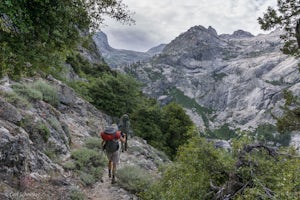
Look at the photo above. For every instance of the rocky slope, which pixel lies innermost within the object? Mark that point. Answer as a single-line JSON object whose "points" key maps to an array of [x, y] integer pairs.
{"points": [[37, 138], [233, 79], [118, 57]]}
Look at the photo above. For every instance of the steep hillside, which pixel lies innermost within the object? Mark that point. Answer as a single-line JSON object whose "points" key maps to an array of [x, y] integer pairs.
{"points": [[119, 57], [44, 129], [221, 79]]}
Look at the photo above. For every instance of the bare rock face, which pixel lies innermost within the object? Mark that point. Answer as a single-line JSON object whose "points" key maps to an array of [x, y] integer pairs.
{"points": [[32, 137], [9, 112], [236, 79], [35, 141]]}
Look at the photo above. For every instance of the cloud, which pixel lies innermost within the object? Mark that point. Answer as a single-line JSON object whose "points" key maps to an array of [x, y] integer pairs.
{"points": [[160, 21]]}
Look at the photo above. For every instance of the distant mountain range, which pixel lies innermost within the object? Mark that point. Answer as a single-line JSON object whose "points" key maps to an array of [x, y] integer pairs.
{"points": [[120, 57], [235, 79]]}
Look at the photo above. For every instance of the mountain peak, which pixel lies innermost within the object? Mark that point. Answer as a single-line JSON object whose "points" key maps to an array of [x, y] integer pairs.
{"points": [[100, 39], [242, 34]]}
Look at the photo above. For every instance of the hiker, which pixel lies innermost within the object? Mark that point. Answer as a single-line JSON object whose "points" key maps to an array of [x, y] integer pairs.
{"points": [[124, 126], [110, 143]]}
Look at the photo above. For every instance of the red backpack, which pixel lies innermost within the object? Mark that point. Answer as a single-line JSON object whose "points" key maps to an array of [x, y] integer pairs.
{"points": [[110, 136]]}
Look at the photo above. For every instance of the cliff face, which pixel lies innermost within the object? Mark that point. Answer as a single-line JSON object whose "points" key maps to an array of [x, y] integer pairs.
{"points": [[233, 79], [120, 57]]}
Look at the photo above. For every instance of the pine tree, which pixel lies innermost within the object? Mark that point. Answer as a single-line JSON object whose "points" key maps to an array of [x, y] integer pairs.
{"points": [[286, 17]]}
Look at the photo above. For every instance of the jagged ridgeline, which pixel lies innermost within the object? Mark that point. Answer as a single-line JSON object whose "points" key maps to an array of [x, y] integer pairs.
{"points": [[222, 80], [57, 93], [234, 87]]}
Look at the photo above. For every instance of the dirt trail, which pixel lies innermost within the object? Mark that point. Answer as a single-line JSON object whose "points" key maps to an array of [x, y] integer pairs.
{"points": [[104, 190]]}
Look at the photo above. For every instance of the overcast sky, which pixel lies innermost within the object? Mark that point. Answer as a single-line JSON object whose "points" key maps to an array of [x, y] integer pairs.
{"points": [[160, 21]]}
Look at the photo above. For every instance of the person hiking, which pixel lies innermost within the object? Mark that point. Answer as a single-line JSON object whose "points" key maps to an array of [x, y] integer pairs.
{"points": [[124, 127], [110, 143]]}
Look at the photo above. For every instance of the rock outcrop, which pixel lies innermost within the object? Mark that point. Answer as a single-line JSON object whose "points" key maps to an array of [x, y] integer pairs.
{"points": [[37, 137], [234, 79], [119, 57]]}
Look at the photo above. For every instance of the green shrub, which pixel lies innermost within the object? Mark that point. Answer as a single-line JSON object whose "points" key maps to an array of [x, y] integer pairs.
{"points": [[50, 93], [189, 176], [54, 123], [87, 178], [15, 99], [250, 171], [69, 165], [76, 194], [26, 91], [224, 133], [134, 179], [89, 164], [38, 90], [93, 143], [43, 130]]}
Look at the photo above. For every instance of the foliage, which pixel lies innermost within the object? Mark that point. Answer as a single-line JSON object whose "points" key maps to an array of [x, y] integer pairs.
{"points": [[189, 177], [267, 133], [50, 93], [224, 133], [251, 171], [37, 35], [290, 121], [38, 131], [93, 143], [177, 128], [15, 99], [26, 91], [164, 128], [187, 102], [84, 68], [287, 18], [81, 88], [146, 122], [38, 90], [134, 178], [115, 95], [89, 164], [76, 194], [41, 129]]}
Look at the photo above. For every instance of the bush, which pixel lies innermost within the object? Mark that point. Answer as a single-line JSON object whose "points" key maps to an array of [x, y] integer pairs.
{"points": [[189, 177], [42, 130], [50, 93], [38, 90], [89, 164], [76, 194], [15, 99], [87, 178], [93, 143], [54, 123], [251, 171], [38, 131], [69, 165], [134, 179], [26, 91]]}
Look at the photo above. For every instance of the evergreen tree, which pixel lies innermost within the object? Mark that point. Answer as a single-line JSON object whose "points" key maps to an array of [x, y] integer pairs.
{"points": [[37, 34], [286, 17]]}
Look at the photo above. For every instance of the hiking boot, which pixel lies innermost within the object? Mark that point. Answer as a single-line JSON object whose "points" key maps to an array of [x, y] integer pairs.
{"points": [[113, 180], [109, 173]]}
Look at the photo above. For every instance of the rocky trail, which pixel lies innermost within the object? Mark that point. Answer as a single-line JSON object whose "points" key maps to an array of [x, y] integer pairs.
{"points": [[104, 190], [139, 153]]}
